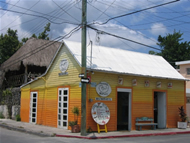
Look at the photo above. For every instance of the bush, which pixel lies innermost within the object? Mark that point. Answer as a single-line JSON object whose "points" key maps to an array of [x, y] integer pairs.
{"points": [[1, 115], [18, 118], [182, 114]]}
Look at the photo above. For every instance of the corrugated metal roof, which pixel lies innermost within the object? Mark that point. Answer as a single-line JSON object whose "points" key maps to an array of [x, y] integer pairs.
{"points": [[124, 62]]}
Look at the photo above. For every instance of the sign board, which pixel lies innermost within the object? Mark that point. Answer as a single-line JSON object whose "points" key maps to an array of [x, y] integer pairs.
{"points": [[170, 85], [146, 83], [103, 99], [120, 81], [85, 80], [159, 84], [100, 113], [134, 82], [81, 75], [63, 66], [103, 89]]}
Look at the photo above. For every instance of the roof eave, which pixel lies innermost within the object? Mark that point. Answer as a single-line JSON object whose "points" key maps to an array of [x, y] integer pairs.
{"points": [[115, 72]]}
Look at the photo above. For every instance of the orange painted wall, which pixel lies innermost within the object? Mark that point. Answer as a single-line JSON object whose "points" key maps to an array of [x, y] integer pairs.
{"points": [[25, 105], [47, 88], [142, 98]]}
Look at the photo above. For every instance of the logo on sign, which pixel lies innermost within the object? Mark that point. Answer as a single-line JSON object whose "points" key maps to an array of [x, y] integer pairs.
{"points": [[103, 89], [64, 64]]}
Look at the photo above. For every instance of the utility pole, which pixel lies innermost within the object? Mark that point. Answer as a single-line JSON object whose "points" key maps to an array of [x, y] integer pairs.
{"points": [[83, 61]]}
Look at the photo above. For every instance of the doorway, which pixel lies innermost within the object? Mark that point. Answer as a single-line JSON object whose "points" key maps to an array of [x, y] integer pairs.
{"points": [[160, 109], [123, 109], [63, 108]]}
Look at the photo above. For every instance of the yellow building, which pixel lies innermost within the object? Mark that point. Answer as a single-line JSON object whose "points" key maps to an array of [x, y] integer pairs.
{"points": [[130, 84]]}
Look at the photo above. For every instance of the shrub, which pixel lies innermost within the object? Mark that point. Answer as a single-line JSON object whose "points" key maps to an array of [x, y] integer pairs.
{"points": [[182, 114], [18, 117]]}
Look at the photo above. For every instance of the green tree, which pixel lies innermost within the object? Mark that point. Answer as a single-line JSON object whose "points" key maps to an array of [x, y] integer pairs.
{"points": [[172, 49], [9, 44], [43, 35]]}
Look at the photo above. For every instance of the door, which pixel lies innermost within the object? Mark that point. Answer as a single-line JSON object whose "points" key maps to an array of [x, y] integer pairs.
{"points": [[123, 109], [160, 98], [33, 107], [63, 96]]}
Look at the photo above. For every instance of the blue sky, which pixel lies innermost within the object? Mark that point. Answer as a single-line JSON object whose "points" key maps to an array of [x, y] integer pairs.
{"points": [[64, 15]]}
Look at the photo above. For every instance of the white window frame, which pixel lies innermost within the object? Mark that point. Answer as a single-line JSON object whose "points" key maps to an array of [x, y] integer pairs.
{"points": [[31, 103], [61, 108]]}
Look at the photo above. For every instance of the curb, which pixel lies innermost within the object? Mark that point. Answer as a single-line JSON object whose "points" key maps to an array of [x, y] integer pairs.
{"points": [[21, 129], [125, 136], [24, 131]]}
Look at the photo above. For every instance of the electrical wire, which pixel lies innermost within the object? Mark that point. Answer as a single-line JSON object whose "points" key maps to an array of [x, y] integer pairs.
{"points": [[103, 32], [37, 16], [42, 47], [135, 12], [21, 15], [65, 11]]}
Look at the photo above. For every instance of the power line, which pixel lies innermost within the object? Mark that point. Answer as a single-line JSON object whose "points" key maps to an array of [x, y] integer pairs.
{"points": [[103, 32], [123, 25], [21, 15], [37, 16], [136, 12], [42, 47], [65, 11]]}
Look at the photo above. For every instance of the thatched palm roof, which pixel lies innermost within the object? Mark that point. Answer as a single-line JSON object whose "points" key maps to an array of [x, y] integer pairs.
{"points": [[36, 52]]}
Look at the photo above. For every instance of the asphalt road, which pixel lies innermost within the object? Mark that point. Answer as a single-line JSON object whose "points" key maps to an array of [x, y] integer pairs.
{"points": [[9, 136]]}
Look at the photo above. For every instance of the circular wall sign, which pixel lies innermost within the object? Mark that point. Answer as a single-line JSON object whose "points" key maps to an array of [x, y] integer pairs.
{"points": [[100, 113], [103, 89], [63, 65]]}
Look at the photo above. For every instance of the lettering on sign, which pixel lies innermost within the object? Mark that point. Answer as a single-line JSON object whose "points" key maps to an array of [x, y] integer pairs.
{"points": [[100, 113], [103, 99], [103, 89]]}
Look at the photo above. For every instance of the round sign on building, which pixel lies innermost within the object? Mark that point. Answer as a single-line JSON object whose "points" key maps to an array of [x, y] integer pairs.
{"points": [[100, 113], [103, 89]]}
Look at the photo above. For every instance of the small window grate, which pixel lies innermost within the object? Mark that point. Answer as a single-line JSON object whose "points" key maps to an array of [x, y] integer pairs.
{"points": [[188, 100], [188, 71]]}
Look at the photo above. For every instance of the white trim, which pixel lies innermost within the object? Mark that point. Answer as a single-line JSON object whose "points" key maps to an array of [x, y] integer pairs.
{"points": [[123, 90], [182, 62], [31, 102], [61, 114]]}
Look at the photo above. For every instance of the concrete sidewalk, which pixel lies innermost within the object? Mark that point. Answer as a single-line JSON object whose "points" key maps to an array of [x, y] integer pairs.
{"points": [[50, 131]]}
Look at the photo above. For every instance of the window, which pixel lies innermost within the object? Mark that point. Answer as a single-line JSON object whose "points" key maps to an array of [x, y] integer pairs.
{"points": [[188, 100], [188, 71], [33, 107]]}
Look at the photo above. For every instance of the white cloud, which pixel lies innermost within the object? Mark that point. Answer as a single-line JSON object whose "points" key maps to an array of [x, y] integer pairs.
{"points": [[97, 11], [158, 29]]}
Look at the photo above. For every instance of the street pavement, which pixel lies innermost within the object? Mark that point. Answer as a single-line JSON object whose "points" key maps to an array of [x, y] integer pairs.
{"points": [[41, 130]]}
